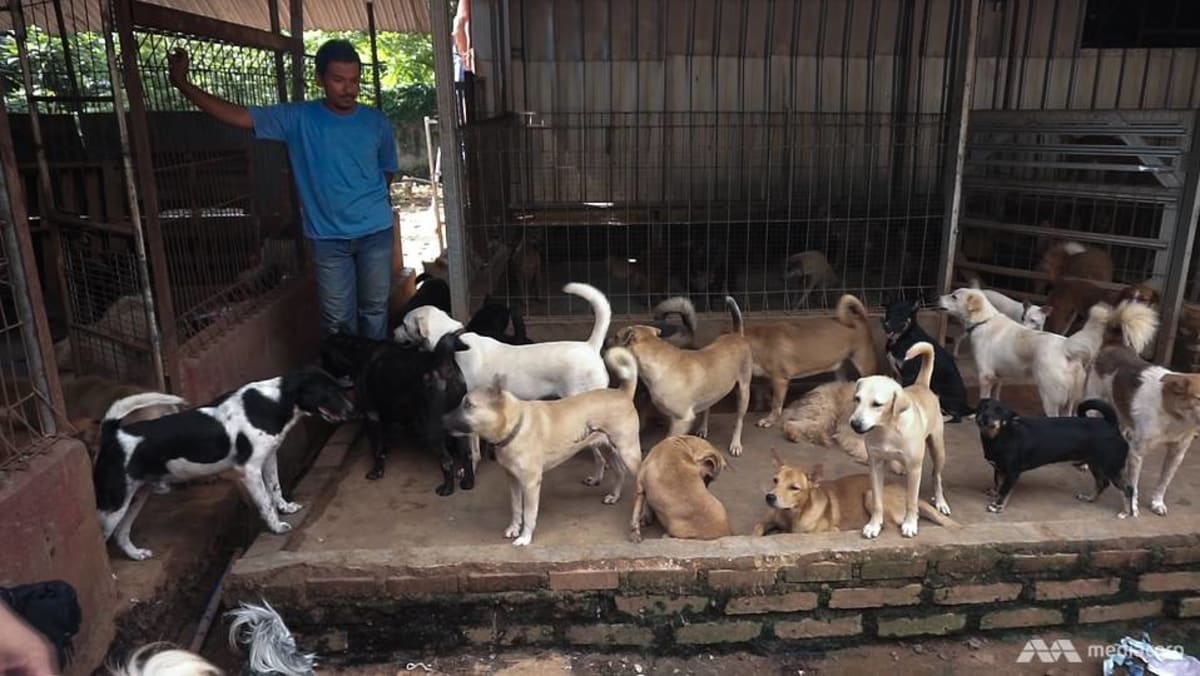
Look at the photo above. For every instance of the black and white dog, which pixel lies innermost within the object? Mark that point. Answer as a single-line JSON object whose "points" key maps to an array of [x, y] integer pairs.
{"points": [[902, 332], [240, 430], [406, 386], [492, 320]]}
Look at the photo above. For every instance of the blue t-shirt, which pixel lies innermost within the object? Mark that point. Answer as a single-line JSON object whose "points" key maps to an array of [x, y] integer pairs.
{"points": [[339, 162]]}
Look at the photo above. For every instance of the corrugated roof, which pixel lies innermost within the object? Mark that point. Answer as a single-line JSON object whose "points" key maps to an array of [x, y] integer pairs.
{"points": [[407, 16]]}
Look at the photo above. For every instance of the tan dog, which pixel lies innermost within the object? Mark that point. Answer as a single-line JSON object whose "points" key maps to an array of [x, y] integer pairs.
{"points": [[899, 423], [531, 437], [822, 417], [684, 383], [786, 350], [800, 502], [88, 399], [672, 486]]}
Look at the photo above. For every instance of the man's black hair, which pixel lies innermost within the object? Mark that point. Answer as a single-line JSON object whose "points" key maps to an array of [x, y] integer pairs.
{"points": [[336, 50]]}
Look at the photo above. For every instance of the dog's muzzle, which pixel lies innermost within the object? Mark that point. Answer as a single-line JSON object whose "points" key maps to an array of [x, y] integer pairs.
{"points": [[454, 423], [858, 426], [771, 499]]}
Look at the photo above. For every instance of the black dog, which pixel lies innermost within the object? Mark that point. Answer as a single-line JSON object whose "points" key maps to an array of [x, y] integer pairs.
{"points": [[1015, 444], [430, 291], [492, 320], [397, 385], [902, 331]]}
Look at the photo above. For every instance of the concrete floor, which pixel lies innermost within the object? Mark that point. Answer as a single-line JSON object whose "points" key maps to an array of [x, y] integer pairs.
{"points": [[402, 511]]}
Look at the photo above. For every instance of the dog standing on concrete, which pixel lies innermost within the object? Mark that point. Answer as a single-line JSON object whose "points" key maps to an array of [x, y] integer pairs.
{"points": [[899, 424], [532, 437], [684, 383], [902, 331], [672, 487]]}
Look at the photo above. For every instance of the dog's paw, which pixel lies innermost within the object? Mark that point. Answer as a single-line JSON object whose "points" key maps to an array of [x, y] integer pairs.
{"points": [[1084, 497], [702, 433], [523, 540], [765, 422], [611, 499], [908, 529], [162, 488], [635, 536], [872, 530], [281, 527], [375, 474], [1126, 514], [995, 508], [735, 450], [942, 506], [445, 489], [591, 480], [512, 531], [290, 507], [139, 554], [1158, 507]]}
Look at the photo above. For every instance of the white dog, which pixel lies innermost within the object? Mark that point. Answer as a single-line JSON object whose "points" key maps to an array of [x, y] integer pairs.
{"points": [[1026, 314], [1005, 349]]}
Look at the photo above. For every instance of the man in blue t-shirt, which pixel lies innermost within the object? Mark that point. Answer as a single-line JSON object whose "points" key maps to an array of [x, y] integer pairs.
{"points": [[343, 156]]}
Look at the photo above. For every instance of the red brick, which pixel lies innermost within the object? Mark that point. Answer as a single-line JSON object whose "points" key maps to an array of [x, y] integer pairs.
{"points": [[771, 603], [1189, 607], [976, 593], [662, 579], [884, 569], [813, 628], [1023, 617], [822, 571], [928, 625], [970, 563], [1161, 582], [1120, 559], [583, 580], [718, 632], [1173, 556], [741, 579], [1120, 611], [349, 587], [609, 634], [1073, 589], [661, 604], [875, 597], [402, 585], [500, 582], [1040, 563]]}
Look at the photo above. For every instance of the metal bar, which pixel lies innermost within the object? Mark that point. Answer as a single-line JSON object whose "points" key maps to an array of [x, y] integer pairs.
{"points": [[280, 77], [961, 94], [27, 291], [296, 46], [1038, 231], [374, 53], [70, 65], [449, 133], [1087, 166], [147, 235], [1066, 189], [157, 17], [1050, 53], [1082, 149], [1181, 250]]}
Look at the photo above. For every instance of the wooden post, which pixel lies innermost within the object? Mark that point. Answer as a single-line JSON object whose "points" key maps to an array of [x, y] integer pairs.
{"points": [[449, 134], [280, 78], [374, 54], [1180, 252], [296, 8]]}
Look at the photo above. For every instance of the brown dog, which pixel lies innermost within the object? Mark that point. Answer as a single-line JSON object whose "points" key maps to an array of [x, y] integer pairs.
{"points": [[1070, 300], [672, 486], [786, 350], [1072, 259], [800, 502], [88, 399], [684, 383]]}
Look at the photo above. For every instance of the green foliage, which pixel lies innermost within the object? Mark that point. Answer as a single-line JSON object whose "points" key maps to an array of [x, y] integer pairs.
{"points": [[406, 70]]}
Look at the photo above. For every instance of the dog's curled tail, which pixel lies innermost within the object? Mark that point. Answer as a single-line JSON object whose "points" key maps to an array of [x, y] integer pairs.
{"points": [[1133, 324], [1083, 345], [735, 314], [924, 350], [850, 311], [621, 360], [681, 306], [124, 406], [600, 308], [161, 659], [1100, 406], [708, 455], [270, 644], [930, 512]]}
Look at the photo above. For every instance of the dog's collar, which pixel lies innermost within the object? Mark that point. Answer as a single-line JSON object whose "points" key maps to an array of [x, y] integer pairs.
{"points": [[976, 325], [511, 435]]}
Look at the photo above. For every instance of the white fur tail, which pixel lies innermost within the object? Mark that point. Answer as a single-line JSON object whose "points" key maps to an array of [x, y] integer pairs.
{"points": [[123, 407], [622, 361], [270, 643], [1084, 345], [925, 350], [600, 307], [1135, 323], [167, 661], [680, 306]]}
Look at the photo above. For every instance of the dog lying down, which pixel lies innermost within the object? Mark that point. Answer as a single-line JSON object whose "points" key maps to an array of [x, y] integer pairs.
{"points": [[672, 487], [239, 431], [1015, 444], [801, 501], [531, 437]]}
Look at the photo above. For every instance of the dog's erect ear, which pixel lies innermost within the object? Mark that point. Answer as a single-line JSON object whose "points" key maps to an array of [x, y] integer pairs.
{"points": [[973, 303], [656, 331], [900, 403], [1175, 384], [625, 337], [498, 384], [816, 474], [1047, 309], [422, 325], [779, 463], [459, 345]]}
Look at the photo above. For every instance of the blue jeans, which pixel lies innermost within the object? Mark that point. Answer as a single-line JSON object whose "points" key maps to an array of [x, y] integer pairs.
{"points": [[354, 280]]}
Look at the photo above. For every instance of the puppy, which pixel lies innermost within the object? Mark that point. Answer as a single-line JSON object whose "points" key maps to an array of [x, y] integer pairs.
{"points": [[683, 383], [801, 501], [786, 350], [1005, 349], [813, 271], [902, 331], [672, 486], [1158, 408], [531, 437], [431, 291], [404, 386], [240, 431], [899, 424], [1014, 444], [492, 320]]}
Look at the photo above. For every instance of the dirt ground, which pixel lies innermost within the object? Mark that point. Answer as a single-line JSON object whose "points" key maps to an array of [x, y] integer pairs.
{"points": [[915, 658]]}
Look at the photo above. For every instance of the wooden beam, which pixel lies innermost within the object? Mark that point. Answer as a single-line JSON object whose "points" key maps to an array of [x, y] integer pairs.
{"points": [[281, 88], [374, 54], [162, 18], [449, 135], [296, 9]]}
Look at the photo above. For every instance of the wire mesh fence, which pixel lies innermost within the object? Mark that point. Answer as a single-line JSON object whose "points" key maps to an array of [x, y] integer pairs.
{"points": [[23, 429]]}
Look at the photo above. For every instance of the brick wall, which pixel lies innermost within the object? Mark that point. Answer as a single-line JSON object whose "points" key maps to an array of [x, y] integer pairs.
{"points": [[823, 602]]}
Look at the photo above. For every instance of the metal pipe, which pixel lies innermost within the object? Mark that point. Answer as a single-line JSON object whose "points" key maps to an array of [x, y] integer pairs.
{"points": [[963, 83]]}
